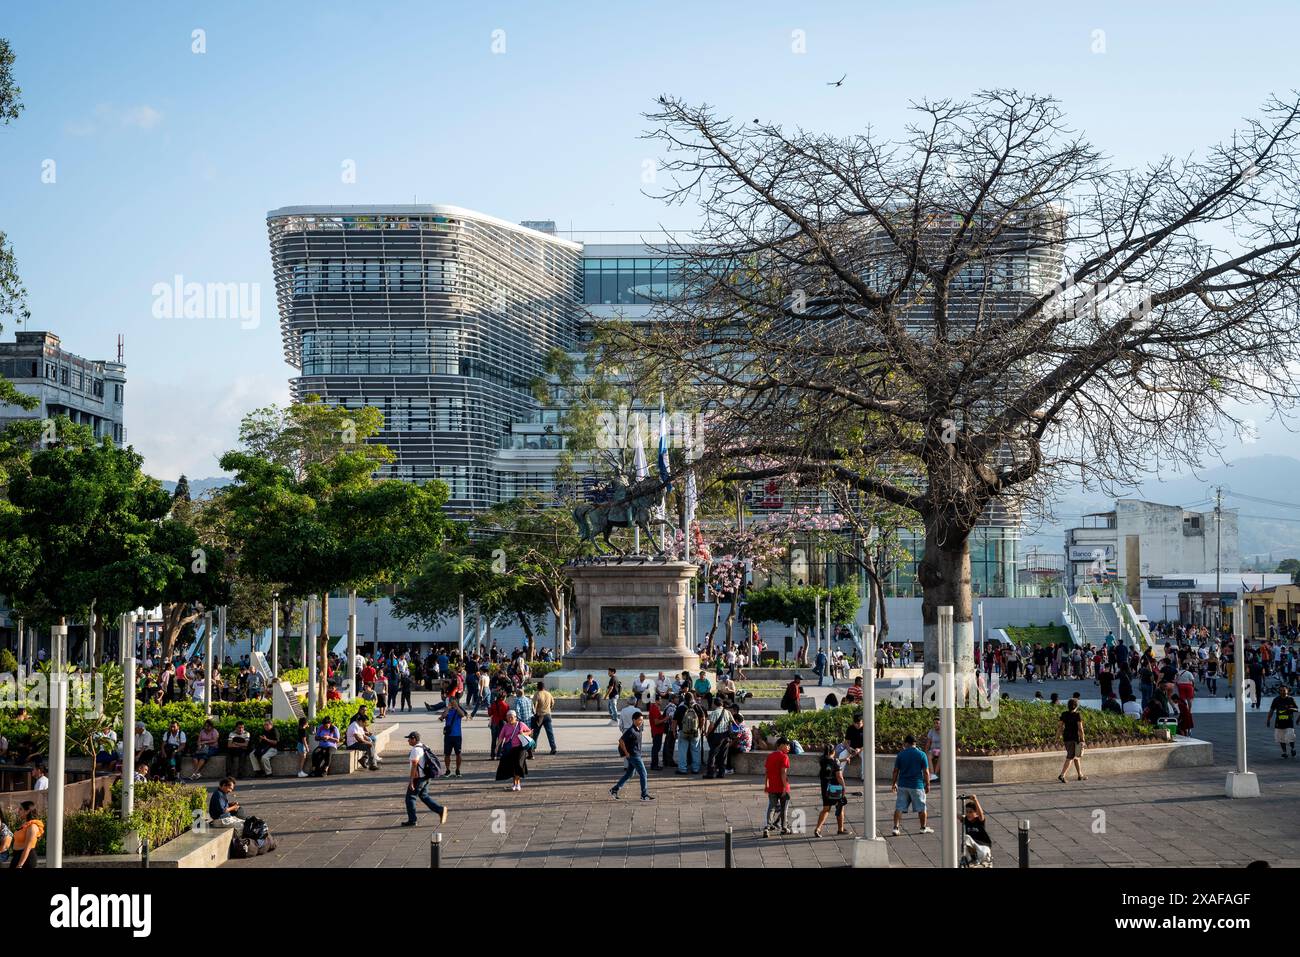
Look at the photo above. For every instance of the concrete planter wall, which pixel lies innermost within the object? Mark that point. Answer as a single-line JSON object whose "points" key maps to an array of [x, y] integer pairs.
{"points": [[1018, 768]]}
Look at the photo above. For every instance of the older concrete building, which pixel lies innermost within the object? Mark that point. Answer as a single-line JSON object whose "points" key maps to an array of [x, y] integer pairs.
{"points": [[88, 391], [1139, 540]]}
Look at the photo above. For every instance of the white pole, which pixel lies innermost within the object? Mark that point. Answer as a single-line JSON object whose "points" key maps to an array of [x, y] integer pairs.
{"points": [[275, 635], [564, 624], [207, 663], [461, 603], [981, 608], [948, 738], [221, 617], [374, 640], [352, 643], [22, 633], [58, 743], [309, 641], [128, 715], [869, 738], [817, 627], [306, 627], [1242, 783]]}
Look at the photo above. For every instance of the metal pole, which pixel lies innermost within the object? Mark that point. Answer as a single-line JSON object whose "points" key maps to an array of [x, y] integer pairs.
{"points": [[564, 624], [144, 853], [352, 643], [58, 744], [948, 738], [817, 627], [727, 860], [313, 661], [90, 637], [207, 663], [460, 601], [275, 635], [981, 610], [374, 640], [1239, 690], [306, 627], [435, 850], [22, 633], [221, 617], [128, 716], [869, 736], [1023, 839]]}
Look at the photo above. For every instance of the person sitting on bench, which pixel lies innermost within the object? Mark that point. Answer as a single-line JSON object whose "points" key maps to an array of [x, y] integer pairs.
{"points": [[590, 692], [327, 741]]}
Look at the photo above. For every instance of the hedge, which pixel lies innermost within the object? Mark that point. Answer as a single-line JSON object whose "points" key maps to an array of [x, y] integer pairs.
{"points": [[161, 813], [190, 717], [295, 676], [1020, 726]]}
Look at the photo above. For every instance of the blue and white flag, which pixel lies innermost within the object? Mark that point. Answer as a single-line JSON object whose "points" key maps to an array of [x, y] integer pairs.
{"points": [[663, 447]]}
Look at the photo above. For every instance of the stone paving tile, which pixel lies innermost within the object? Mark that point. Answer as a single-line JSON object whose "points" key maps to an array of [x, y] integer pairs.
{"points": [[564, 818]]}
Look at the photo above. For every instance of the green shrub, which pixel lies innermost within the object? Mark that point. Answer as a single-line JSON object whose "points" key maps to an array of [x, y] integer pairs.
{"points": [[1019, 725], [295, 676], [162, 812], [8, 663]]}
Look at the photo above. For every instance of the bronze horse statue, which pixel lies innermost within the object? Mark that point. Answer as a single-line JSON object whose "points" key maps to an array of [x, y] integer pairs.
{"points": [[628, 507]]}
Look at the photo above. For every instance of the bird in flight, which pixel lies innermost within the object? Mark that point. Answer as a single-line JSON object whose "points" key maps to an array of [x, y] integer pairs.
{"points": [[839, 82]]}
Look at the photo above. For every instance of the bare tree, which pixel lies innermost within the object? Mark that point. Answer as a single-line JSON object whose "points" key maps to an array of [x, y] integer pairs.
{"points": [[951, 321]]}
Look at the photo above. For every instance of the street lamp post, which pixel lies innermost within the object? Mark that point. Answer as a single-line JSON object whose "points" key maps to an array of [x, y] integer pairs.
{"points": [[128, 715], [1241, 783], [207, 663], [948, 737], [221, 617], [275, 634], [352, 643], [58, 744], [309, 641], [22, 633], [460, 602], [869, 850]]}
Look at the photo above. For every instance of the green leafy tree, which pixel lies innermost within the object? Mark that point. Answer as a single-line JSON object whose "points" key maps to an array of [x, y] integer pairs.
{"points": [[13, 295], [310, 515], [83, 527]]}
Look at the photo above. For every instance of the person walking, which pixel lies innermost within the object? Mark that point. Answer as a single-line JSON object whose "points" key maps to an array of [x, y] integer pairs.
{"points": [[452, 739], [793, 692], [911, 782], [613, 689], [28, 835], [1284, 708], [629, 746], [1073, 736], [776, 784], [543, 709], [831, 776], [417, 786], [512, 746]]}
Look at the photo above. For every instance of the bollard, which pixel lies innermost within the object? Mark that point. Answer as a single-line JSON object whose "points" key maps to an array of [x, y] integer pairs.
{"points": [[435, 850], [144, 853], [1023, 834], [726, 849]]}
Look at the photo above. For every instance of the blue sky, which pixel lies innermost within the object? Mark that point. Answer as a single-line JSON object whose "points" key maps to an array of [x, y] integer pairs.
{"points": [[166, 161]]}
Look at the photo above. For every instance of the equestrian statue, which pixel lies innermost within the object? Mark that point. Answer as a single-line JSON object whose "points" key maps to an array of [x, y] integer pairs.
{"points": [[629, 506]]}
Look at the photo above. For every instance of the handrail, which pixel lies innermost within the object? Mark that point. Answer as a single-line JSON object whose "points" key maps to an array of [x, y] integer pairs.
{"points": [[1128, 622], [1072, 616]]}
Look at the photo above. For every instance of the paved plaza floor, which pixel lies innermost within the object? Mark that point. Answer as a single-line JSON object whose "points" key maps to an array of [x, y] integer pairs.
{"points": [[564, 816]]}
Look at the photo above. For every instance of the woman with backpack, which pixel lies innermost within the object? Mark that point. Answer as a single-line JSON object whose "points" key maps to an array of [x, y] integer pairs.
{"points": [[513, 744], [831, 775]]}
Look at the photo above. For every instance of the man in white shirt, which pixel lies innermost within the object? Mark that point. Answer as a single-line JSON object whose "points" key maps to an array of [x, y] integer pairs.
{"points": [[417, 787], [639, 687], [626, 715], [41, 783], [359, 740], [662, 685]]}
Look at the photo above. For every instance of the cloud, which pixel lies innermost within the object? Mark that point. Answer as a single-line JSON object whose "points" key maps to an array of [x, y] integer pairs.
{"points": [[106, 116]]}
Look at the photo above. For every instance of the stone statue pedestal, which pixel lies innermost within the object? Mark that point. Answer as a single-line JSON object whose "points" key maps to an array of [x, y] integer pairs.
{"points": [[630, 616]]}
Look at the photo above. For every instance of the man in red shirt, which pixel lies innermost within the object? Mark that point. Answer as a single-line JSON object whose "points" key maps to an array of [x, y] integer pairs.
{"points": [[777, 785], [854, 694], [658, 725]]}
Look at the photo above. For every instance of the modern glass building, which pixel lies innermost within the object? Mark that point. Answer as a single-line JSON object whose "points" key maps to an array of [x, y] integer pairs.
{"points": [[439, 317], [444, 318]]}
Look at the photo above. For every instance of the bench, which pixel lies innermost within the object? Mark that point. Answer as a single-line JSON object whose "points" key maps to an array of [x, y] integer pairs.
{"points": [[285, 764]]}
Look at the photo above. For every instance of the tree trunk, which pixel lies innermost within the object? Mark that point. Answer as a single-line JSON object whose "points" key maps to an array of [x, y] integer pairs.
{"points": [[528, 636], [717, 615], [945, 580], [322, 678]]}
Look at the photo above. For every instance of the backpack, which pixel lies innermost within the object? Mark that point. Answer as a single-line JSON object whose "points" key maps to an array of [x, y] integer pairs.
{"points": [[242, 848], [691, 724], [431, 765], [255, 829]]}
